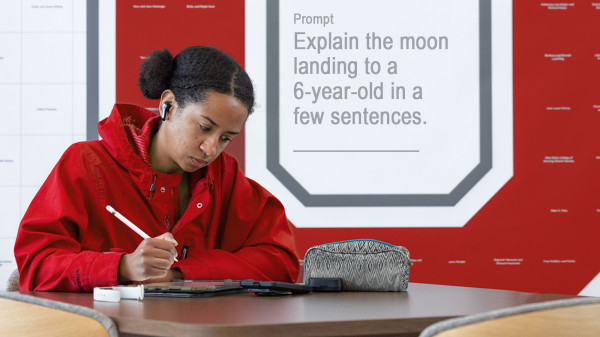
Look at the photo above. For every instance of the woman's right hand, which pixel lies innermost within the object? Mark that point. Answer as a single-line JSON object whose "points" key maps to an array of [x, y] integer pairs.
{"points": [[151, 259]]}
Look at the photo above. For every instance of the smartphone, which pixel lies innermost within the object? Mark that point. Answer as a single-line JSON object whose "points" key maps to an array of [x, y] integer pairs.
{"points": [[274, 287]]}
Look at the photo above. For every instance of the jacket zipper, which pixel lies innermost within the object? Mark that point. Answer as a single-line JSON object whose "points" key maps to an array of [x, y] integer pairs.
{"points": [[167, 223]]}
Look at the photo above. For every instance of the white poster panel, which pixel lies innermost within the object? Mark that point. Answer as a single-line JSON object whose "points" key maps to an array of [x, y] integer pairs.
{"points": [[382, 113], [43, 86]]}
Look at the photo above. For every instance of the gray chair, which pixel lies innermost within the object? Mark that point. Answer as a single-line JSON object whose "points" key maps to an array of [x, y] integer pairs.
{"points": [[12, 284], [23, 315], [569, 317]]}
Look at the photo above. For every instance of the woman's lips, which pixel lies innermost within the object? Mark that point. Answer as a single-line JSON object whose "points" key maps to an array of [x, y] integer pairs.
{"points": [[198, 162]]}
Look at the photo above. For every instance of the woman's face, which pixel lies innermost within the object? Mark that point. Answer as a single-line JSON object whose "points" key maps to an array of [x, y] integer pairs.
{"points": [[196, 134]]}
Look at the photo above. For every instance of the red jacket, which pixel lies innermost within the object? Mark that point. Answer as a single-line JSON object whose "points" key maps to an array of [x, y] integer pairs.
{"points": [[67, 241]]}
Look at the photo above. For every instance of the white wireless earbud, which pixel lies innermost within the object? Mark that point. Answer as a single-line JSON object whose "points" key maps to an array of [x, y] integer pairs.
{"points": [[165, 108]]}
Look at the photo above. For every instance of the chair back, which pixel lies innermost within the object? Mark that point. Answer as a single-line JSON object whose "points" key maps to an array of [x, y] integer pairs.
{"points": [[570, 317], [12, 284], [23, 315]]}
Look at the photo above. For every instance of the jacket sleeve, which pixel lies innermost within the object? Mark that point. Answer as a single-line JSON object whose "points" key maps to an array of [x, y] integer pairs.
{"points": [[48, 247], [254, 239]]}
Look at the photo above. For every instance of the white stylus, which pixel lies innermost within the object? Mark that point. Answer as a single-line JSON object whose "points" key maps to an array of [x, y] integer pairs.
{"points": [[129, 224]]}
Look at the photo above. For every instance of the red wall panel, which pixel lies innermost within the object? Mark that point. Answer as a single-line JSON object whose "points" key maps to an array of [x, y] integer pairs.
{"points": [[539, 232]]}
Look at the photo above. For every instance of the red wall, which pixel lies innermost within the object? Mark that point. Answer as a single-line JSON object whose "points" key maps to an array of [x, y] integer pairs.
{"points": [[539, 232], [174, 27]]}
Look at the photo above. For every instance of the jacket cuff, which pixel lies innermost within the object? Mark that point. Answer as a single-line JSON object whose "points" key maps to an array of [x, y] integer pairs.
{"points": [[104, 270]]}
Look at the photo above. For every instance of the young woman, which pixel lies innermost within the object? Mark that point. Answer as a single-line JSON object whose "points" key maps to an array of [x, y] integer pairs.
{"points": [[169, 176]]}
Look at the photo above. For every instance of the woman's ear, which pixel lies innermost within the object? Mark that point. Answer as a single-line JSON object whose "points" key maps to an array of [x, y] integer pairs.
{"points": [[167, 100]]}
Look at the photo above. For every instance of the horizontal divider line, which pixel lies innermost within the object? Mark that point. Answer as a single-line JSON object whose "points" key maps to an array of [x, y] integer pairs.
{"points": [[43, 83], [356, 151]]}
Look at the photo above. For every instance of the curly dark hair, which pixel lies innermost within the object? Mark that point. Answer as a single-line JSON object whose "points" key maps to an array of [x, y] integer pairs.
{"points": [[192, 73]]}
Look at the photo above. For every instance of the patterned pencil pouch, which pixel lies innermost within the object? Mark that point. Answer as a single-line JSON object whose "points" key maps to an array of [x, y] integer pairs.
{"points": [[363, 265]]}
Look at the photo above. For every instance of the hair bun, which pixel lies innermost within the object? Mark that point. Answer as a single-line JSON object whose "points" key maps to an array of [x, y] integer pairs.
{"points": [[155, 73]]}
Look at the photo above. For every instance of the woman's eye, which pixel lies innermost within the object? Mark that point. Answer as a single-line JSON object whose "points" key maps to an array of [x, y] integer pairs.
{"points": [[204, 128], [226, 139]]}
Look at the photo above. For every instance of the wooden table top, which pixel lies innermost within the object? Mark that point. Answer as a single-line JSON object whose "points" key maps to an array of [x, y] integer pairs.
{"points": [[314, 314]]}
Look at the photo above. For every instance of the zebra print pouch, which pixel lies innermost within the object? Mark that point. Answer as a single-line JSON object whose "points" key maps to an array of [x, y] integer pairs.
{"points": [[363, 265]]}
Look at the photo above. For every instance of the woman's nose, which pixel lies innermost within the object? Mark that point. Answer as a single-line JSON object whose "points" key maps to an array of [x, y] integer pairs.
{"points": [[209, 146]]}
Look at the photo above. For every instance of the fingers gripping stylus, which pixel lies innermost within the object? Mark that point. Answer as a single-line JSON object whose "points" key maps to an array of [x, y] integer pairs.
{"points": [[130, 224]]}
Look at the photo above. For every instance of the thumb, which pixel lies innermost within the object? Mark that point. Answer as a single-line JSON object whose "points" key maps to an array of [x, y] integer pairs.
{"points": [[169, 237]]}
